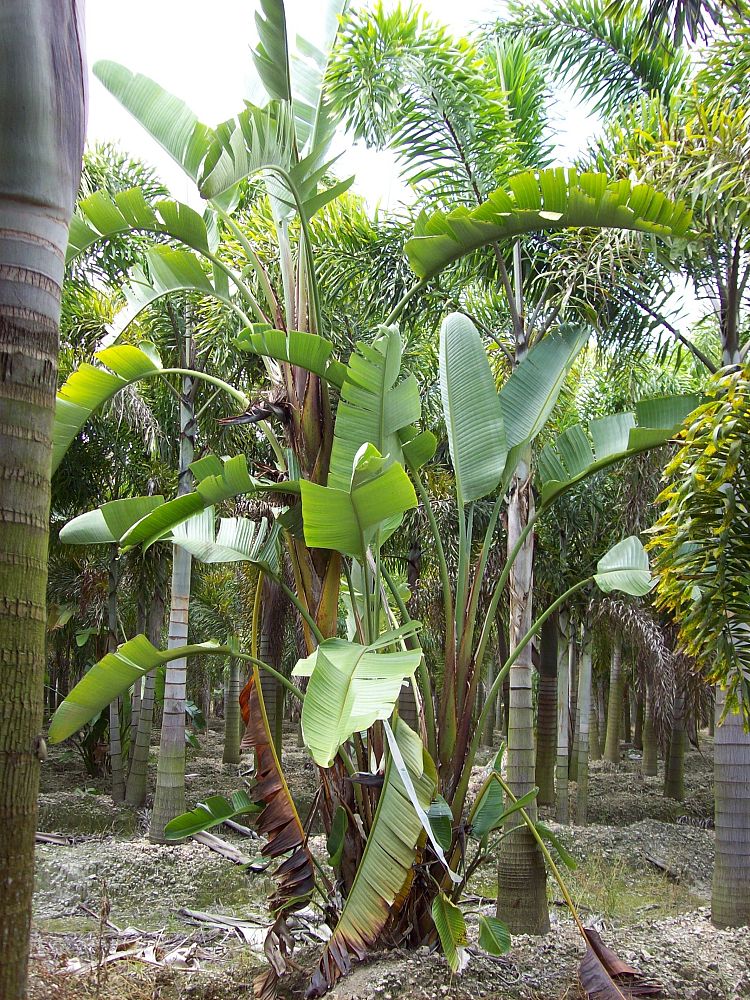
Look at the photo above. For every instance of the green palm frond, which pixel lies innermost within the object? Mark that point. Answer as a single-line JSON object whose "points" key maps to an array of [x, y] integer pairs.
{"points": [[606, 56]]}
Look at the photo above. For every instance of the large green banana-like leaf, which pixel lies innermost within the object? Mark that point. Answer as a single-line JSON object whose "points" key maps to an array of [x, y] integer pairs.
{"points": [[472, 411], [451, 927], [238, 540], [309, 61], [168, 271], [348, 520], [625, 568], [543, 200], [271, 55], [88, 387], [374, 406], [262, 140], [112, 676], [386, 863], [102, 216], [529, 395], [216, 481], [216, 810], [305, 350], [580, 451], [109, 522], [165, 117], [350, 688]]}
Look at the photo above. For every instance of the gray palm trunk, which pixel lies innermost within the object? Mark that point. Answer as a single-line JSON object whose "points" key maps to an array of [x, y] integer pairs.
{"points": [[115, 744], [42, 126], [135, 791], [614, 708], [582, 736], [547, 714], [730, 894], [674, 763], [650, 745], [522, 890], [595, 745], [169, 799], [231, 753], [564, 653]]}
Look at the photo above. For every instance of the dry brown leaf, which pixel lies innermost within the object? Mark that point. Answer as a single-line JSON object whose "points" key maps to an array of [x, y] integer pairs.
{"points": [[604, 976]]}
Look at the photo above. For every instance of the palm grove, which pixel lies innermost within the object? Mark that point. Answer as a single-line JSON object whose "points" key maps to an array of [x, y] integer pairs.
{"points": [[415, 458]]}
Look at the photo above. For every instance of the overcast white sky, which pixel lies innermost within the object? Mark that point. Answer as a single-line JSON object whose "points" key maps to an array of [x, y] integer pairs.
{"points": [[199, 50]]}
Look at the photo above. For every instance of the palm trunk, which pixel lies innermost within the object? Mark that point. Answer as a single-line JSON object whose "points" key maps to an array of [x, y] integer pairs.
{"points": [[639, 720], [730, 895], [563, 679], [674, 765], [614, 710], [573, 707], [650, 745], [627, 733], [169, 799], [584, 711], [42, 113], [547, 714], [488, 736], [115, 745], [271, 637], [522, 889], [135, 792], [232, 714], [595, 746]]}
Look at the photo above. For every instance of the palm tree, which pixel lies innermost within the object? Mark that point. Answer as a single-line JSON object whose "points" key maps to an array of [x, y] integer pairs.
{"points": [[42, 115], [700, 541]]}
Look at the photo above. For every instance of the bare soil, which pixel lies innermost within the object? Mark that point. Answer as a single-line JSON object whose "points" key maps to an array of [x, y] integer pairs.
{"points": [[112, 893]]}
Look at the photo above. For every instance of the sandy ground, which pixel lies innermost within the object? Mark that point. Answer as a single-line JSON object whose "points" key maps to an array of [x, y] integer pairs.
{"points": [[110, 894]]}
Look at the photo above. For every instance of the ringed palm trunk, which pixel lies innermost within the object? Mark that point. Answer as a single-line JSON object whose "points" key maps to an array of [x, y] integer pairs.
{"points": [[582, 736], [270, 645], [640, 712], [564, 653], [135, 791], [115, 745], [522, 888], [614, 709], [547, 714], [595, 746], [169, 799], [650, 746], [730, 893], [231, 753], [42, 124], [674, 765]]}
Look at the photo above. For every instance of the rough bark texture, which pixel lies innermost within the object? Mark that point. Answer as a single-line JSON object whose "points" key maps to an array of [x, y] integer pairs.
{"points": [[674, 765], [584, 712], [614, 709], [730, 896], [595, 746], [564, 653], [169, 798], [640, 714], [232, 689], [650, 745], [522, 896], [135, 790], [42, 112], [115, 743], [547, 714]]}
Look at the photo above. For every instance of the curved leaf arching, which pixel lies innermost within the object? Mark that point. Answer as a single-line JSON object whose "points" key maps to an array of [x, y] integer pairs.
{"points": [[112, 676], [583, 450], [543, 200], [88, 387]]}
